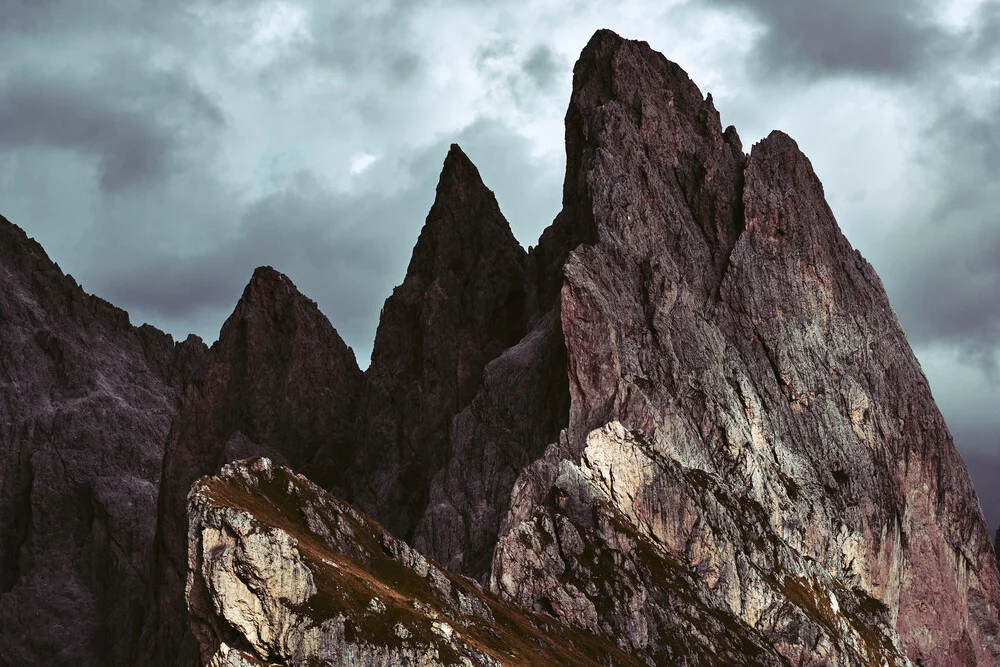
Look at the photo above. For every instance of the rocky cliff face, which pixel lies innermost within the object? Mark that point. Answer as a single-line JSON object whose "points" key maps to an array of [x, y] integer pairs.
{"points": [[283, 573], [742, 394], [280, 381], [86, 400]]}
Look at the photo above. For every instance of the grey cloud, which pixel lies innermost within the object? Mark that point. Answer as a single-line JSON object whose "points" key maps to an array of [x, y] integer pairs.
{"points": [[945, 290], [349, 43], [133, 132], [130, 148], [526, 78], [944, 271], [151, 20], [984, 39], [849, 36], [984, 468], [542, 66]]}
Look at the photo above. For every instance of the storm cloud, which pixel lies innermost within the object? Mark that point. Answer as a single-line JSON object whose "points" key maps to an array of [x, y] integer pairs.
{"points": [[893, 38]]}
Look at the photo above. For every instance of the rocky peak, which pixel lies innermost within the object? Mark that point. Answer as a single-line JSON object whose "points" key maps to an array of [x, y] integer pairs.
{"points": [[720, 318], [633, 111], [460, 305], [279, 381], [459, 180]]}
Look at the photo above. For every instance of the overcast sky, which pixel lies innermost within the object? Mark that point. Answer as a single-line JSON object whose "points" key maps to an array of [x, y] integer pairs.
{"points": [[161, 150]]}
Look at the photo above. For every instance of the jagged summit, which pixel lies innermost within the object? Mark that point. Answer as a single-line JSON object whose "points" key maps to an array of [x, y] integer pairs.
{"points": [[459, 306], [279, 382], [264, 278], [459, 178]]}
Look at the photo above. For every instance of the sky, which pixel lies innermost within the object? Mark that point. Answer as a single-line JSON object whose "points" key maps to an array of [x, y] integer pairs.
{"points": [[161, 150]]}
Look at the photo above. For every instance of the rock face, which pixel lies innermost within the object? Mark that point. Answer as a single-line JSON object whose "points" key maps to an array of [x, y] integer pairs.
{"points": [[281, 572], [521, 407], [280, 381], [742, 395], [460, 305], [86, 400]]}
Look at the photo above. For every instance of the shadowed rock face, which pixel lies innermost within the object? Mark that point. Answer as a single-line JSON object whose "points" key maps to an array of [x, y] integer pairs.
{"points": [[280, 381], [86, 400], [774, 431], [460, 305]]}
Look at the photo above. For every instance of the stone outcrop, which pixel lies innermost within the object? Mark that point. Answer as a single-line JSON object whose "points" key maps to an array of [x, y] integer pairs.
{"points": [[279, 382], [86, 401], [281, 572]]}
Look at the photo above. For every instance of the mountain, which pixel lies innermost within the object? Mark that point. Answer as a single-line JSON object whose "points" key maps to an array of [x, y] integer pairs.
{"points": [[86, 401], [279, 382], [742, 393], [713, 443], [684, 428]]}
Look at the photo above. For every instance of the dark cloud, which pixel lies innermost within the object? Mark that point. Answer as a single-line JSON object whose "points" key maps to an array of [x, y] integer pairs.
{"points": [[353, 44], [129, 147], [848, 36], [542, 66], [943, 267], [133, 130], [985, 472]]}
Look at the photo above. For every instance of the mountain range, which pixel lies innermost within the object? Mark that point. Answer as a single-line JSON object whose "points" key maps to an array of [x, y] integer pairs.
{"points": [[685, 428]]}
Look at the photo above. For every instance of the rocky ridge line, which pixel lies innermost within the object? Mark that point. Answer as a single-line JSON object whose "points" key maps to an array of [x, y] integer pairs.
{"points": [[281, 572]]}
